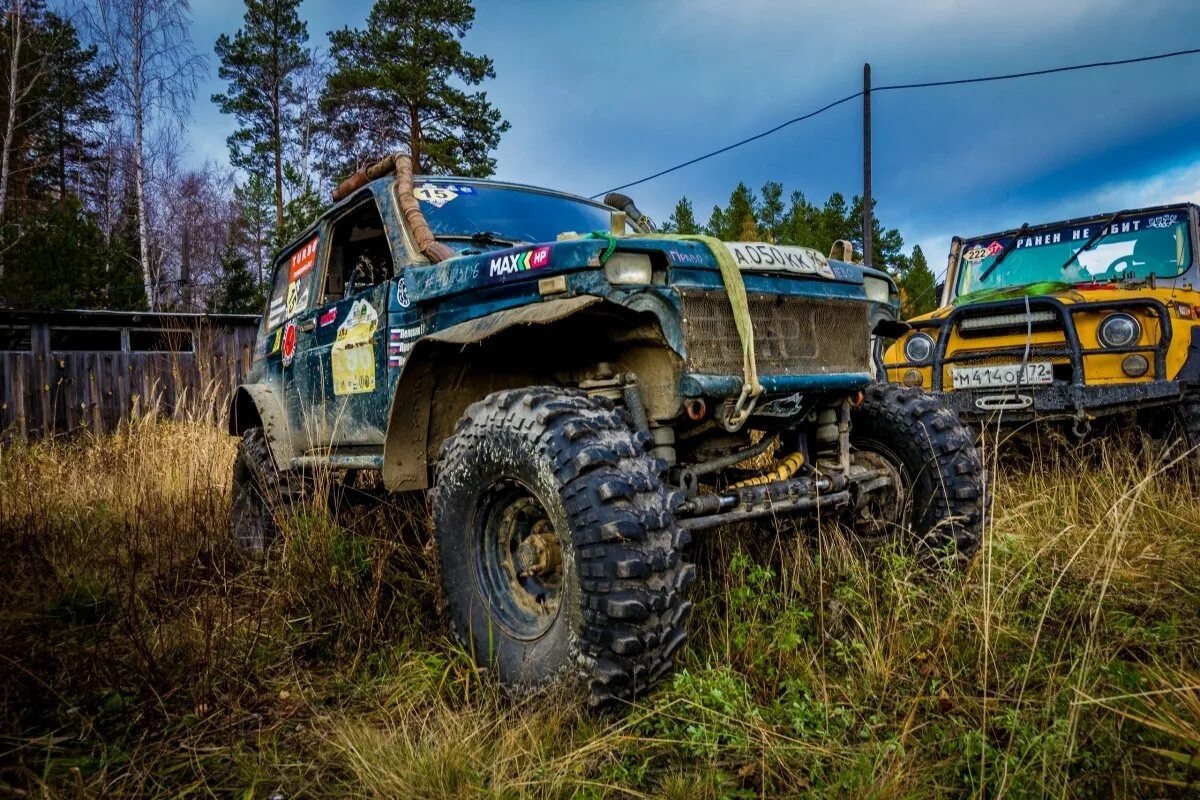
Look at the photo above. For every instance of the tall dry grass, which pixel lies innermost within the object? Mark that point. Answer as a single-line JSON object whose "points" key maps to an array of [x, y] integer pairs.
{"points": [[141, 655]]}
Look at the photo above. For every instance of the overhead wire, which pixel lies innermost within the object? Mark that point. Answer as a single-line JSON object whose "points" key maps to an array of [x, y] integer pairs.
{"points": [[900, 87]]}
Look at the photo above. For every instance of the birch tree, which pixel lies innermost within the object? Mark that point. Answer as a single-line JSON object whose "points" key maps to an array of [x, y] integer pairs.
{"points": [[262, 63], [156, 70]]}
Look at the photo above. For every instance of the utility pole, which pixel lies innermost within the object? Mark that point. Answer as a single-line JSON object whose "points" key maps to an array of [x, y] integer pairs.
{"points": [[868, 221]]}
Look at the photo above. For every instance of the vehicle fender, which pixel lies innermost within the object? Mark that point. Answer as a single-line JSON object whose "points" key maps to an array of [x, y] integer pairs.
{"points": [[476, 330], [448, 370], [255, 404]]}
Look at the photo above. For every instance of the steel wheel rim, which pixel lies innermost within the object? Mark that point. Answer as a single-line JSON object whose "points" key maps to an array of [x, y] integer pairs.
{"points": [[518, 560]]}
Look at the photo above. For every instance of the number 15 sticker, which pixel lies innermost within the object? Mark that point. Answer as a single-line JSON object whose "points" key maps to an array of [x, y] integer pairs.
{"points": [[436, 196]]}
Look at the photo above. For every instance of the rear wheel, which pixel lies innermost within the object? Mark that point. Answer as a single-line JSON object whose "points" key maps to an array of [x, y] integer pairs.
{"points": [[260, 492], [559, 554], [936, 506]]}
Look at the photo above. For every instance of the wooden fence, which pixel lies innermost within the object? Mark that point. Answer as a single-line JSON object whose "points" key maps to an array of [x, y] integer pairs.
{"points": [[65, 370]]}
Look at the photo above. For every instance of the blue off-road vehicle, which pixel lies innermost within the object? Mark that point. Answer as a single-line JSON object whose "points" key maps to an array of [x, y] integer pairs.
{"points": [[578, 395]]}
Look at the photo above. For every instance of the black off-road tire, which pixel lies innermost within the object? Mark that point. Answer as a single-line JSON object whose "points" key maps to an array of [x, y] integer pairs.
{"points": [[939, 466], [260, 493], [1189, 417], [620, 592]]}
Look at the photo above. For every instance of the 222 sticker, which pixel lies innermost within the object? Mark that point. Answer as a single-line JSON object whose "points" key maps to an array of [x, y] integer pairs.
{"points": [[353, 357]]}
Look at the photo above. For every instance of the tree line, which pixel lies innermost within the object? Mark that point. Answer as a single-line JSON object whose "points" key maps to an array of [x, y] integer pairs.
{"points": [[99, 208], [767, 216]]}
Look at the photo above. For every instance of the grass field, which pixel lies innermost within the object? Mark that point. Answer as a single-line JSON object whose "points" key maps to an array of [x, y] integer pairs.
{"points": [[140, 655]]}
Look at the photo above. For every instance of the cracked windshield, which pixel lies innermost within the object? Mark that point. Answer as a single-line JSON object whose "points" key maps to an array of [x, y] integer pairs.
{"points": [[1134, 246]]}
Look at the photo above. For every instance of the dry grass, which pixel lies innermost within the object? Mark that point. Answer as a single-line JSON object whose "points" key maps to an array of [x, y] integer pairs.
{"points": [[140, 655]]}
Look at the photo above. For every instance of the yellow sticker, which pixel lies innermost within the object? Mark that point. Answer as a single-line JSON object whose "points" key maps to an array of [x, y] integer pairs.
{"points": [[353, 355]]}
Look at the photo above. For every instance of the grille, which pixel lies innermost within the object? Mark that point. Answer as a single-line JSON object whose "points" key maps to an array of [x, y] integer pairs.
{"points": [[792, 335], [984, 358]]}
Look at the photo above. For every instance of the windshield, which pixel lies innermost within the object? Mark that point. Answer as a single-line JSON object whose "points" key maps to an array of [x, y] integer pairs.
{"points": [[504, 213], [1134, 246]]}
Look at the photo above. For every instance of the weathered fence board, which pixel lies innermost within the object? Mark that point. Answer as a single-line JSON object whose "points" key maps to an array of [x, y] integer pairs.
{"points": [[62, 371]]}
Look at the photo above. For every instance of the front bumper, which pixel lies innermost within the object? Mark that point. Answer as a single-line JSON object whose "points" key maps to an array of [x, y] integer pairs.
{"points": [[1074, 398], [1059, 400]]}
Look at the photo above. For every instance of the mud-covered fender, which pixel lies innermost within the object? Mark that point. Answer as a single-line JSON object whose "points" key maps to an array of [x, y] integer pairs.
{"points": [[1190, 372], [406, 445], [255, 404]]}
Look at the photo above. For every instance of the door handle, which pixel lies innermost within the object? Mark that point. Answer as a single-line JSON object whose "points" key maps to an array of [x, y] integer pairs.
{"points": [[308, 326]]}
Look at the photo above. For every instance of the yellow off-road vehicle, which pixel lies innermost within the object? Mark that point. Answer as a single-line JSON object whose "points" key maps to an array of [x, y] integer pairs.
{"points": [[1074, 320]]}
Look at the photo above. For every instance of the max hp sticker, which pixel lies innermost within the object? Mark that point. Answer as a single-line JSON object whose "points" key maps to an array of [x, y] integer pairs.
{"points": [[509, 263], [289, 343], [353, 358]]}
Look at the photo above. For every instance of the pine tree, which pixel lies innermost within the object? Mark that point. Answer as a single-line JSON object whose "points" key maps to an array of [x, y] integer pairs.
{"points": [[236, 291], [770, 211], [396, 84], [121, 273], [261, 64], [53, 142], [917, 286], [61, 261], [682, 220], [736, 221], [253, 228]]}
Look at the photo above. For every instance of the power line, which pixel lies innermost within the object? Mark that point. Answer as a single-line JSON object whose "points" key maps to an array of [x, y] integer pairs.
{"points": [[898, 87]]}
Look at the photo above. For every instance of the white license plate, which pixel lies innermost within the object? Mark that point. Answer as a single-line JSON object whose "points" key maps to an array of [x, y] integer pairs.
{"points": [[779, 258], [1002, 375]]}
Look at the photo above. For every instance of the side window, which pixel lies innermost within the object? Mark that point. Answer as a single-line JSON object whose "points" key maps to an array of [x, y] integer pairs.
{"points": [[291, 291], [358, 250], [277, 308]]}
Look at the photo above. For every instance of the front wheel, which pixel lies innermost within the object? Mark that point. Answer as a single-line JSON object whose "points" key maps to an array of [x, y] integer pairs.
{"points": [[936, 505], [559, 553]]}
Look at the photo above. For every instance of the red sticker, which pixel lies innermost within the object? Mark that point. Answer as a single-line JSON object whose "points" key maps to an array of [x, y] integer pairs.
{"points": [[328, 317], [994, 248], [289, 343], [302, 260]]}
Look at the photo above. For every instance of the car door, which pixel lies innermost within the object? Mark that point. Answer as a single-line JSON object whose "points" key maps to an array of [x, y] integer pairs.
{"points": [[345, 358]]}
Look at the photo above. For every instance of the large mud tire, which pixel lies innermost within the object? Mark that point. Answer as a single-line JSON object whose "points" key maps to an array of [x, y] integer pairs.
{"points": [[934, 453], [261, 492], [618, 607], [1189, 418]]}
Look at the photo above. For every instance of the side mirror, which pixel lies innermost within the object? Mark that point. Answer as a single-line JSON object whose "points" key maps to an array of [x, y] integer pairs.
{"points": [[939, 291], [625, 203]]}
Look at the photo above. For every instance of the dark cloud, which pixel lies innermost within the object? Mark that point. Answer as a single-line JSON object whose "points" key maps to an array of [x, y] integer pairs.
{"points": [[602, 93]]}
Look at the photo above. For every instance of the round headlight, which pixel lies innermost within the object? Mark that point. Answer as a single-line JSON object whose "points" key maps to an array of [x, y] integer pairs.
{"points": [[1119, 330], [918, 348], [1135, 366]]}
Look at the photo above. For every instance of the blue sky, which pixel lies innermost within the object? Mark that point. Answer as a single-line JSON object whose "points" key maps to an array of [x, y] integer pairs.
{"points": [[601, 93]]}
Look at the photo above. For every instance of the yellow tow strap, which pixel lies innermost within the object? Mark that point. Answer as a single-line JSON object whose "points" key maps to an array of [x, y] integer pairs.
{"points": [[739, 303]]}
